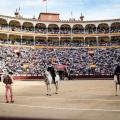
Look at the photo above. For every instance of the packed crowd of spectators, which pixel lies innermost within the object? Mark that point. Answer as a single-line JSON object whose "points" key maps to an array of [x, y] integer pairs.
{"points": [[33, 61], [66, 42]]}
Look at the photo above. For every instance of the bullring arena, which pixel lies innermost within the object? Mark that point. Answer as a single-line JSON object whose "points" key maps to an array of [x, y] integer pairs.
{"points": [[90, 50], [77, 100]]}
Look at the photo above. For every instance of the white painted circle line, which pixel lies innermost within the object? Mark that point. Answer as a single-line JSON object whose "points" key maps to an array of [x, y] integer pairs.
{"points": [[63, 108], [81, 99]]}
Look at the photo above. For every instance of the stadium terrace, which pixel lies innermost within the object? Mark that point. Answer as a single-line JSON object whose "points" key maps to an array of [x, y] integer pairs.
{"points": [[86, 47]]}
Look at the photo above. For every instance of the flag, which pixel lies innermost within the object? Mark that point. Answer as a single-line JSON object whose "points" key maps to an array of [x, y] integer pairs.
{"points": [[44, 0]]}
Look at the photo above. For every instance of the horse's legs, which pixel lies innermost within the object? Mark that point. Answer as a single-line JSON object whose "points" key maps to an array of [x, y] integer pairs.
{"points": [[49, 89], [6, 93], [56, 86], [116, 88]]}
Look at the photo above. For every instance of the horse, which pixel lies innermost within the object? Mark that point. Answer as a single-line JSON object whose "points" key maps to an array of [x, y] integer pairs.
{"points": [[62, 70], [51, 77], [117, 82]]}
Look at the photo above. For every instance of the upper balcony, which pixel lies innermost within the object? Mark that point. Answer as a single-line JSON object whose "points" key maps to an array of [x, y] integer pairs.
{"points": [[34, 27]]}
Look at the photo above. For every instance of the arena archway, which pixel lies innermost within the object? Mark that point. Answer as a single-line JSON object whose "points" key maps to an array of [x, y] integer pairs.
{"points": [[90, 41], [90, 29], [78, 29], [103, 41], [40, 28], [28, 40], [103, 28], [14, 25], [65, 29], [3, 22], [53, 29], [115, 40], [28, 27], [77, 42], [65, 41], [53, 41], [3, 38], [41, 41], [115, 27], [15, 39]]}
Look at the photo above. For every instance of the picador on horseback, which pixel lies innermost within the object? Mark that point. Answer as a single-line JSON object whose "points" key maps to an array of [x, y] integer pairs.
{"points": [[51, 77], [55, 71]]}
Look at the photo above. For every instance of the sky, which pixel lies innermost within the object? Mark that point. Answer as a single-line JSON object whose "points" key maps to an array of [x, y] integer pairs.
{"points": [[91, 9]]}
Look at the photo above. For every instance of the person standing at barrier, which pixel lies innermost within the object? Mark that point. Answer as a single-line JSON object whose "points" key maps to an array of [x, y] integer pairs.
{"points": [[8, 81], [117, 73]]}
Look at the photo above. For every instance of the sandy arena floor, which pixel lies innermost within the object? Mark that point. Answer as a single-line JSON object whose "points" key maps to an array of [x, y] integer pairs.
{"points": [[77, 100]]}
